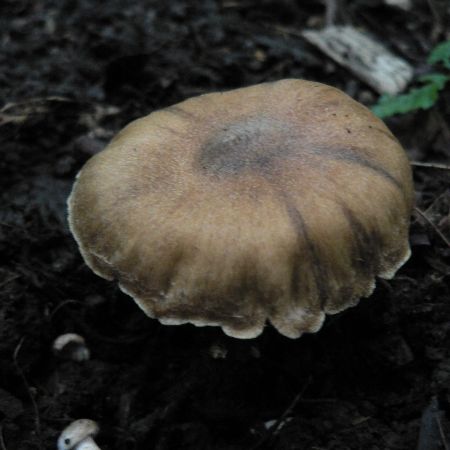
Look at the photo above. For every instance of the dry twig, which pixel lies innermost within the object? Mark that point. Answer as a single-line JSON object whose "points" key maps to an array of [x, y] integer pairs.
{"points": [[430, 222], [442, 433], [273, 429], [2, 441], [430, 165], [330, 12]]}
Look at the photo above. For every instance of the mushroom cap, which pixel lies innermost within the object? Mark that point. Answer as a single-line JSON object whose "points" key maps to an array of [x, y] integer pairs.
{"points": [[71, 346], [76, 432], [281, 201]]}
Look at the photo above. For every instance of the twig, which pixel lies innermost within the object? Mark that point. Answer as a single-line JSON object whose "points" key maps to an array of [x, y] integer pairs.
{"points": [[441, 432], [62, 305], [2, 441], [362, 54], [436, 200], [436, 229], [318, 400], [430, 165], [280, 420], [8, 280], [437, 22], [285, 30], [330, 12], [37, 422], [291, 406]]}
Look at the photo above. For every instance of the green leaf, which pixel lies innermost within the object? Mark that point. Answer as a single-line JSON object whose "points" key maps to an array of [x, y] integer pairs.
{"points": [[419, 98], [438, 79], [440, 54], [423, 97]]}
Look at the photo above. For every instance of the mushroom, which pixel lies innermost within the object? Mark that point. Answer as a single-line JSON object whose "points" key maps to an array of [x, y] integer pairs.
{"points": [[79, 435], [278, 202], [71, 346]]}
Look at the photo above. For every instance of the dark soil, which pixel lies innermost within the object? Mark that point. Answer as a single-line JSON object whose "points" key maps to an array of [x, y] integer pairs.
{"points": [[72, 74]]}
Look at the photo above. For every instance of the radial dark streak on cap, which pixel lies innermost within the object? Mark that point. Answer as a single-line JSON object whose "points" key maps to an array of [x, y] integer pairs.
{"points": [[318, 269], [244, 207], [351, 156]]}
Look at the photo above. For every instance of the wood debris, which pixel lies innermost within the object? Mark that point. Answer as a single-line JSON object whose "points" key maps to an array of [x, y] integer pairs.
{"points": [[365, 57]]}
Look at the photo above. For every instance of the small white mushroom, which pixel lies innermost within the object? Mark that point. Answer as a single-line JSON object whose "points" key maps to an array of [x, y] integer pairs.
{"points": [[71, 346], [218, 351], [79, 435]]}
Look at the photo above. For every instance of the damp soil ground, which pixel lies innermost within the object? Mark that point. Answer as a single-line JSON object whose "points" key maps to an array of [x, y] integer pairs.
{"points": [[72, 74]]}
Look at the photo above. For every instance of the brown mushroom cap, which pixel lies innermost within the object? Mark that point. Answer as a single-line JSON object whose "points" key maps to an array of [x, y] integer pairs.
{"points": [[281, 201]]}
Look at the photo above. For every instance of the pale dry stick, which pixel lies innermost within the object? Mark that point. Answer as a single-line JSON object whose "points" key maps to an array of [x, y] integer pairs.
{"points": [[363, 55], [430, 222], [430, 165], [37, 421]]}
